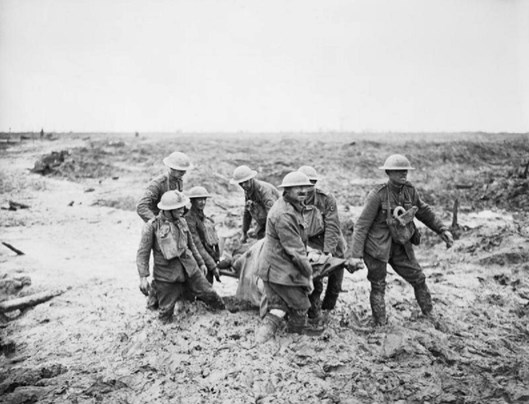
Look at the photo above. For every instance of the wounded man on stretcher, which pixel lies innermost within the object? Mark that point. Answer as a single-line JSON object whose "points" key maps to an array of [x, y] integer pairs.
{"points": [[250, 288]]}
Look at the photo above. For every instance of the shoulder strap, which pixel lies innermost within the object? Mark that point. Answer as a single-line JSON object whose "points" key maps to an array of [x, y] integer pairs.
{"points": [[388, 209]]}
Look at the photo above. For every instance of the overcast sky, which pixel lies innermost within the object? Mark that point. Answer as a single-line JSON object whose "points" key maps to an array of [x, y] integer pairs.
{"points": [[230, 65]]}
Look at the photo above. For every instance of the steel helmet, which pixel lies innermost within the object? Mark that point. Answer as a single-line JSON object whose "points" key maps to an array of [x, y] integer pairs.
{"points": [[309, 172], [397, 162], [241, 174], [295, 179], [177, 161], [198, 192], [172, 200]]}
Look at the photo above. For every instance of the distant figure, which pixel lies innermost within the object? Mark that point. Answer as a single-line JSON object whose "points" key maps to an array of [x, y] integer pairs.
{"points": [[325, 235], [178, 266], [259, 197], [203, 231], [377, 245], [177, 164], [41, 134]]}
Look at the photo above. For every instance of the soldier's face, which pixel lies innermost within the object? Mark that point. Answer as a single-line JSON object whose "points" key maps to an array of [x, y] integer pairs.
{"points": [[246, 185], [176, 174], [311, 189], [199, 203], [298, 194], [176, 213], [397, 177]]}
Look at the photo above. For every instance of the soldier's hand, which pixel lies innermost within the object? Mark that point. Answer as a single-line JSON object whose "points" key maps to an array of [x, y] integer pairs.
{"points": [[447, 238], [244, 238], [216, 274], [145, 286], [354, 264], [311, 287], [204, 269]]}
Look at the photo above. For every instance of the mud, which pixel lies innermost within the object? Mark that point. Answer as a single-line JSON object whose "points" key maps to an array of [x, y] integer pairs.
{"points": [[98, 343]]}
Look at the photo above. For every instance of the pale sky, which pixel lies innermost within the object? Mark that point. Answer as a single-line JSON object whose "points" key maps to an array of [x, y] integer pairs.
{"points": [[267, 65]]}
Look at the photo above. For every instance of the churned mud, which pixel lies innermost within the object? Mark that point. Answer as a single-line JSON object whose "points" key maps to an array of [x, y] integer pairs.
{"points": [[96, 342]]}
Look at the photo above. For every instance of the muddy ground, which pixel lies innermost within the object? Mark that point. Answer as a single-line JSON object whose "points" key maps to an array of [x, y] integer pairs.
{"points": [[97, 343]]}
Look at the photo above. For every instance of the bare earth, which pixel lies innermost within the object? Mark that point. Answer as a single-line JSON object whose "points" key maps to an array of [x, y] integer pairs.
{"points": [[97, 343]]}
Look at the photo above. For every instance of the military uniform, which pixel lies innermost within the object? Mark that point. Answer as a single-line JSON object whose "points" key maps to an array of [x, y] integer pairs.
{"points": [[205, 238], [283, 265], [146, 206], [173, 276], [325, 235], [372, 241], [147, 210], [258, 201]]}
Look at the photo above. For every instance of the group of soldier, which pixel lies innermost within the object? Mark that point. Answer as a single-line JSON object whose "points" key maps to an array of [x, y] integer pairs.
{"points": [[185, 245]]}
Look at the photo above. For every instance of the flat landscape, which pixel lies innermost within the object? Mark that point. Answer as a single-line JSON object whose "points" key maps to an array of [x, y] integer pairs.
{"points": [[76, 224]]}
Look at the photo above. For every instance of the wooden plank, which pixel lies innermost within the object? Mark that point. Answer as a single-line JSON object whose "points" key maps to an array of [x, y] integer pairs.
{"points": [[22, 303]]}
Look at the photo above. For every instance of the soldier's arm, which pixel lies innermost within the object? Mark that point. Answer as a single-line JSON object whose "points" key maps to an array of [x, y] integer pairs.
{"points": [[290, 239], [331, 222], [147, 200], [426, 215], [268, 199], [144, 250], [364, 223], [192, 224], [246, 218], [191, 245]]}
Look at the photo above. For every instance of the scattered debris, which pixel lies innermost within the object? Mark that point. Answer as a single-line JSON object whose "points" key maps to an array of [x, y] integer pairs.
{"points": [[15, 206], [10, 285], [12, 248], [47, 163], [22, 303]]}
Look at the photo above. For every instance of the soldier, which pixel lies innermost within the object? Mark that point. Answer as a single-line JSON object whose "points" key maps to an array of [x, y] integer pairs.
{"points": [[325, 235], [178, 266], [203, 231], [259, 197], [178, 164], [373, 241], [283, 265]]}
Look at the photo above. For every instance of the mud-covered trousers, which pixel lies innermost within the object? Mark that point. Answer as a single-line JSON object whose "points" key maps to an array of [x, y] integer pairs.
{"points": [[402, 260], [334, 287], [334, 281], [168, 293], [293, 300]]}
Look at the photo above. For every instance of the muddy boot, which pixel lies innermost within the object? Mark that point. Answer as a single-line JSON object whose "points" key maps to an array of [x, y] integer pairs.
{"points": [[268, 328], [314, 313], [378, 307], [298, 324], [213, 300], [165, 315], [422, 294]]}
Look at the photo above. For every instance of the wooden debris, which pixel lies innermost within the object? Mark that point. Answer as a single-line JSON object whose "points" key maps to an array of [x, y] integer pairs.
{"points": [[455, 225], [17, 205], [523, 170], [464, 186], [13, 248], [22, 303], [47, 163]]}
